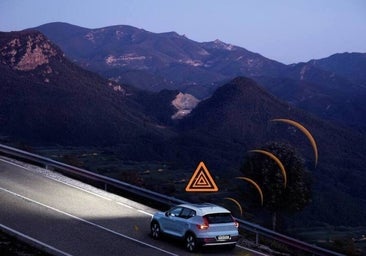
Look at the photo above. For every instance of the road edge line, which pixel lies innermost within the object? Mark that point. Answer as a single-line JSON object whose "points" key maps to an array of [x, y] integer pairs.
{"points": [[33, 242]]}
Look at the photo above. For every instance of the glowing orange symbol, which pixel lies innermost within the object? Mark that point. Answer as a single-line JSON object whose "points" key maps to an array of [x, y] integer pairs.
{"points": [[305, 131], [201, 180]]}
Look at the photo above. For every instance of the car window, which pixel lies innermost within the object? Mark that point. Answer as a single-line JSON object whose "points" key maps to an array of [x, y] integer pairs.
{"points": [[187, 213], [175, 211], [219, 218]]}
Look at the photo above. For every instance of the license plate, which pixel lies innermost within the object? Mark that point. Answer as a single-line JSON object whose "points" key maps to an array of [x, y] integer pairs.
{"points": [[221, 238]]}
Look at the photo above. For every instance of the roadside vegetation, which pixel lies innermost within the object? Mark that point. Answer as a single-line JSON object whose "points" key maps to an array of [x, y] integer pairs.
{"points": [[10, 246]]}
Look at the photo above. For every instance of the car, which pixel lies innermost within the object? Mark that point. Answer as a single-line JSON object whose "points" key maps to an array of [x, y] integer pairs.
{"points": [[197, 225]]}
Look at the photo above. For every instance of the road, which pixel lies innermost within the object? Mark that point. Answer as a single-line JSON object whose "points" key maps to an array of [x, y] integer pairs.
{"points": [[66, 217]]}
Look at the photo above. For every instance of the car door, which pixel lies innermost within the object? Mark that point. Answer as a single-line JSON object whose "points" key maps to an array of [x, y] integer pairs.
{"points": [[181, 223], [169, 221]]}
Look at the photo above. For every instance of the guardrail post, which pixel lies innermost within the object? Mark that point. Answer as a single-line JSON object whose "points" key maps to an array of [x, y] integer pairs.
{"points": [[105, 187], [256, 238]]}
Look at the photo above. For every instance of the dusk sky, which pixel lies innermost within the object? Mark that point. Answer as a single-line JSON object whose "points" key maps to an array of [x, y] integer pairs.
{"points": [[288, 31]]}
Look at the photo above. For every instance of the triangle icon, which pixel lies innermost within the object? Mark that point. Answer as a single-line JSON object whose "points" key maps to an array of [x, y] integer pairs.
{"points": [[201, 180]]}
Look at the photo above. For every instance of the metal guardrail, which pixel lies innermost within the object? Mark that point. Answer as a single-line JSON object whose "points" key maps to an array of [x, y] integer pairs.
{"points": [[289, 241], [107, 181], [157, 197]]}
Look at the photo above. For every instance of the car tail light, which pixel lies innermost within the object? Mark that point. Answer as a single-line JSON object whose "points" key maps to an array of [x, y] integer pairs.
{"points": [[235, 222], [204, 225]]}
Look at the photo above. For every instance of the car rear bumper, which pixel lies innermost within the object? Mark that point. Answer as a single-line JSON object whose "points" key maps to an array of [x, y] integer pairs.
{"points": [[212, 241]]}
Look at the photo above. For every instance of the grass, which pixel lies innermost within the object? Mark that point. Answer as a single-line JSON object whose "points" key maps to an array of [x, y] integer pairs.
{"points": [[338, 238]]}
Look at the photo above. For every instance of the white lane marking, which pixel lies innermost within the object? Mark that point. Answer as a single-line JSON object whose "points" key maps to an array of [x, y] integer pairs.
{"points": [[147, 213], [51, 178], [125, 205], [88, 222], [253, 251], [6, 161], [82, 189], [76, 187], [24, 236], [63, 182]]}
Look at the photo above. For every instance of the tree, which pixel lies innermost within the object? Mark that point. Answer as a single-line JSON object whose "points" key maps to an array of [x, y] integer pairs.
{"points": [[267, 174]]}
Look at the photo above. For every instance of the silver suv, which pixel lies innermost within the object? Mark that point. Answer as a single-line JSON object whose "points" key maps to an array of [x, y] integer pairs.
{"points": [[197, 224]]}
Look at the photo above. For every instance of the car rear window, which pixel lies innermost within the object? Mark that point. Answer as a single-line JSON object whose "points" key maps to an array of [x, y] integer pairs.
{"points": [[219, 218]]}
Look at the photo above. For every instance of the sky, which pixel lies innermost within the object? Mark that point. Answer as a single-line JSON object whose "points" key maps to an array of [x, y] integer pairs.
{"points": [[288, 31]]}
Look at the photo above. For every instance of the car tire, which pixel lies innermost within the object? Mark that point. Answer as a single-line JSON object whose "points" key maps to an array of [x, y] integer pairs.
{"points": [[190, 242], [155, 230]]}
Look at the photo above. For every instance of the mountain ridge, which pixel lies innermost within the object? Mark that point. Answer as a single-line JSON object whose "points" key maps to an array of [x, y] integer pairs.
{"points": [[157, 61], [164, 50], [62, 96], [352, 68]]}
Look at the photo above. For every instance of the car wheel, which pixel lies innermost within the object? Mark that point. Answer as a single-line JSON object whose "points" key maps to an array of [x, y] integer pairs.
{"points": [[191, 242], [155, 230]]}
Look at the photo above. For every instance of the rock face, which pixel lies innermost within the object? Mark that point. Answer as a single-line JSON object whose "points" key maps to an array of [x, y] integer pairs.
{"points": [[184, 103], [27, 53]]}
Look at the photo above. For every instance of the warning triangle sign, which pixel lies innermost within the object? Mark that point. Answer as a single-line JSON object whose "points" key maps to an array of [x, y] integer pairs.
{"points": [[201, 180]]}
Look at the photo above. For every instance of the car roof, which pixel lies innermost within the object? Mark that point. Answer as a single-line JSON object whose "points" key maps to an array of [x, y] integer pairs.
{"points": [[205, 208]]}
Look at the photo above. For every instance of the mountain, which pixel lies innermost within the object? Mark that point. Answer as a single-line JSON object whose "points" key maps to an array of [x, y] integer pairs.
{"points": [[323, 87], [332, 88], [46, 99], [351, 66], [237, 118], [174, 61], [343, 106]]}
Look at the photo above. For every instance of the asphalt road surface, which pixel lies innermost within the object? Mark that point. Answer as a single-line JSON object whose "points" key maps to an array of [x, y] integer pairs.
{"points": [[67, 217]]}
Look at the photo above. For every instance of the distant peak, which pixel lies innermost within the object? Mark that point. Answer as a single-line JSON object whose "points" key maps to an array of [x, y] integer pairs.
{"points": [[222, 45], [243, 80], [240, 85], [173, 34]]}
